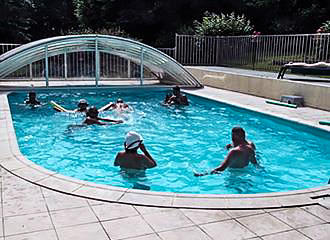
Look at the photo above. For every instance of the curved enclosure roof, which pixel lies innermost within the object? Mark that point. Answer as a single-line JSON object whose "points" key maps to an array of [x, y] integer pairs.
{"points": [[165, 68]]}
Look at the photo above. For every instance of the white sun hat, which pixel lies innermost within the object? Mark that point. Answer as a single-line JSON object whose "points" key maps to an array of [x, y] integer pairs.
{"points": [[133, 140]]}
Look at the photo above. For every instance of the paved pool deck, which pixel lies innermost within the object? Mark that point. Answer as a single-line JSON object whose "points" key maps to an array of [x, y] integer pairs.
{"points": [[39, 204]]}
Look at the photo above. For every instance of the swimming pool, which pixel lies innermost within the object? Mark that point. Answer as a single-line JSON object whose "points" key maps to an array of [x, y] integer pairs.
{"points": [[182, 140]]}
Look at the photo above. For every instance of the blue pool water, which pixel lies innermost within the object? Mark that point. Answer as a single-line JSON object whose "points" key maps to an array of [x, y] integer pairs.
{"points": [[181, 139]]}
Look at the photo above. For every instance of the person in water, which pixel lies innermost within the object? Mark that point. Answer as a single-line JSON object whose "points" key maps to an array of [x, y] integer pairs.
{"points": [[119, 105], [82, 106], [32, 99], [241, 154], [177, 98], [130, 158], [93, 118]]}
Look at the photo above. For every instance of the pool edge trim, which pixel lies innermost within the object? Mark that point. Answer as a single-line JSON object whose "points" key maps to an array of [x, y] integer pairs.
{"points": [[13, 161]]}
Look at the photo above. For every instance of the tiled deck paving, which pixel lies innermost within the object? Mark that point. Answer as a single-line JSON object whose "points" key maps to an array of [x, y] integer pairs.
{"points": [[33, 212]]}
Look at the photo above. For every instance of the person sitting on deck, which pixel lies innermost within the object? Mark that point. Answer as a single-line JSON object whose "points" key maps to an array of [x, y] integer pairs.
{"points": [[177, 98], [119, 105], [93, 118], [32, 99], [241, 154], [130, 158], [82, 106]]}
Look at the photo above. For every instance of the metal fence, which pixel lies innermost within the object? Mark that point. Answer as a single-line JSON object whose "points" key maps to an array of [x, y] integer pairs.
{"points": [[265, 52], [5, 47], [78, 66], [169, 51]]}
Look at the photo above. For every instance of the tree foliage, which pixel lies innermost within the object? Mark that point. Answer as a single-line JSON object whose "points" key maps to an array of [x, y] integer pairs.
{"points": [[15, 21], [325, 28], [223, 25], [153, 21]]}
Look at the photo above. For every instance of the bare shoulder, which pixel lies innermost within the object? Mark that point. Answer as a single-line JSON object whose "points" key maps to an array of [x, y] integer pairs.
{"points": [[234, 151]]}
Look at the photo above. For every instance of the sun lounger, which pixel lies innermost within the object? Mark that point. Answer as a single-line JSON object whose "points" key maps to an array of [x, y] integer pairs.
{"points": [[320, 68]]}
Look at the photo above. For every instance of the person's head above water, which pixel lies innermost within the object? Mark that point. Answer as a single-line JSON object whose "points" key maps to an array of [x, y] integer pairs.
{"points": [[238, 134], [119, 100], [32, 95], [176, 90], [132, 141], [32, 98], [82, 103], [92, 112]]}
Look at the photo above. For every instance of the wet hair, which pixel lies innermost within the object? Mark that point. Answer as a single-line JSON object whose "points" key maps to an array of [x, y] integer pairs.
{"points": [[82, 102], [92, 111], [32, 94], [132, 150], [176, 88], [238, 131]]}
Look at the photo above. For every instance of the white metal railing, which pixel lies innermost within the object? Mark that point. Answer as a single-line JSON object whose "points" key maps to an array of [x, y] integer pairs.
{"points": [[77, 66], [5, 47], [264, 52], [169, 51]]}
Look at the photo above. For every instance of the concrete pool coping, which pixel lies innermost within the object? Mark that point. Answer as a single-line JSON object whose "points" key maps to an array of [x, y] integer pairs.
{"points": [[13, 161]]}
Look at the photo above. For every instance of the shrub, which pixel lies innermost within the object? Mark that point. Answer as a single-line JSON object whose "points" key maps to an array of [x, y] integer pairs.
{"points": [[325, 27], [224, 25], [114, 31]]}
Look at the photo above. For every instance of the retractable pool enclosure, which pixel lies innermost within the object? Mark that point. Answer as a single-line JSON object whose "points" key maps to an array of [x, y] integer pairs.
{"points": [[94, 58]]}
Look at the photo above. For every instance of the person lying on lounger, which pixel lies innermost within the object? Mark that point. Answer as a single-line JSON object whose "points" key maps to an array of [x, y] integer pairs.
{"points": [[241, 154], [93, 118]]}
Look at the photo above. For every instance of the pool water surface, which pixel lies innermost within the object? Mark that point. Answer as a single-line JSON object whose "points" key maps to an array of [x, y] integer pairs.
{"points": [[182, 140]]}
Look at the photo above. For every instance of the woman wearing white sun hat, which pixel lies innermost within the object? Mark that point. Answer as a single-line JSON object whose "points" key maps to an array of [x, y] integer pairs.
{"points": [[130, 158]]}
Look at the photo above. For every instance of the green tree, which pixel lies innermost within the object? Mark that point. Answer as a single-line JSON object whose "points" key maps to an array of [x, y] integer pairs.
{"points": [[223, 25], [325, 27], [50, 17], [15, 21]]}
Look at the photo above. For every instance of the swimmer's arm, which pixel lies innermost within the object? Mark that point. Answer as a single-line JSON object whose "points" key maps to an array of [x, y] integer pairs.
{"points": [[111, 120], [106, 107], [229, 146], [253, 159], [222, 167], [252, 145], [116, 163], [185, 100], [225, 163], [90, 121], [150, 162]]}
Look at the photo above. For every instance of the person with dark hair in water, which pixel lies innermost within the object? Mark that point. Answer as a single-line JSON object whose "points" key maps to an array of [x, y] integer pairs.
{"points": [[32, 99], [130, 158], [92, 117], [177, 98], [82, 106], [241, 154]]}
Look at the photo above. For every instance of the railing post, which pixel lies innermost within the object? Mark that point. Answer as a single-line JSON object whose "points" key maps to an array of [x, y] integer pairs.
{"points": [[128, 68], [217, 51], [175, 47], [141, 66], [97, 63], [31, 72], [46, 66], [65, 66]]}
